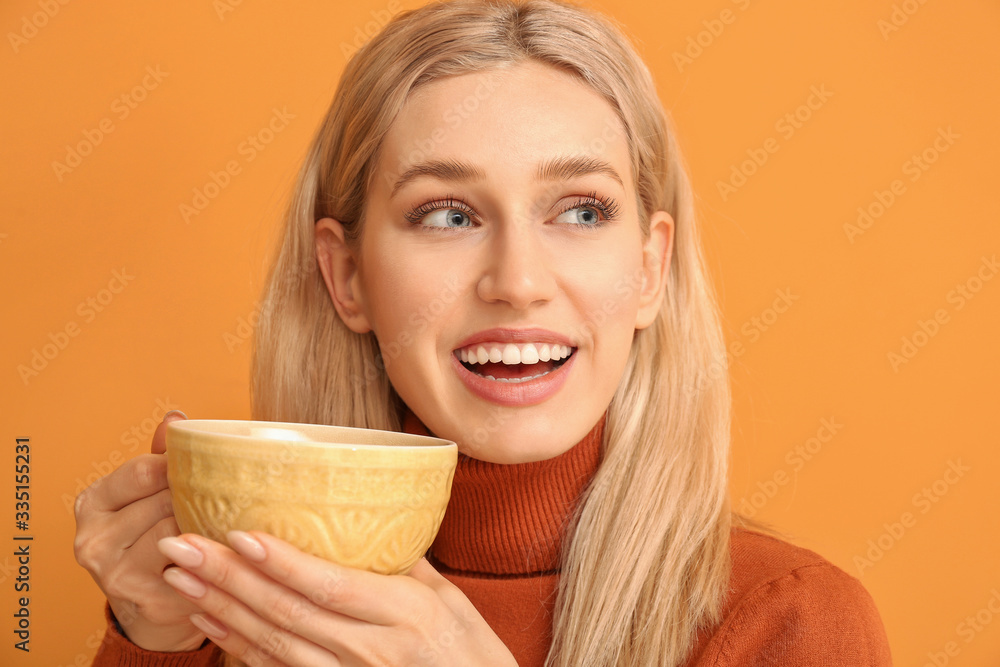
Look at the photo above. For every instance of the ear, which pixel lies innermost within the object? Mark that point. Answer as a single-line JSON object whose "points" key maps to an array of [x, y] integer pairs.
{"points": [[655, 264], [340, 273]]}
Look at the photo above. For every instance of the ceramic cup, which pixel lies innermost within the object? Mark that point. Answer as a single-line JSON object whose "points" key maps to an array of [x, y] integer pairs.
{"points": [[364, 498]]}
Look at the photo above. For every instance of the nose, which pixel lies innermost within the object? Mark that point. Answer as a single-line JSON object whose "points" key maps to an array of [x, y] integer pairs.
{"points": [[517, 267]]}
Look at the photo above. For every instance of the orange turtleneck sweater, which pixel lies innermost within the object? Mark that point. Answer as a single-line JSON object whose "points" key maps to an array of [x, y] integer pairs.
{"points": [[500, 543]]}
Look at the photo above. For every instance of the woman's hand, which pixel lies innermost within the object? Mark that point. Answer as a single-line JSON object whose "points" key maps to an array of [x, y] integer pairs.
{"points": [[119, 520], [272, 604]]}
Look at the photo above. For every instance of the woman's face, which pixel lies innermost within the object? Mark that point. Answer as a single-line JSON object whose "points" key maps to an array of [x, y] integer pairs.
{"points": [[490, 210]]}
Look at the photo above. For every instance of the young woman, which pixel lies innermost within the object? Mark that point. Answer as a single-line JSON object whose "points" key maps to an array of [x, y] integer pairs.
{"points": [[492, 240]]}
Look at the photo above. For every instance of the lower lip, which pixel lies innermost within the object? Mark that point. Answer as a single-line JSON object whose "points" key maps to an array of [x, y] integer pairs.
{"points": [[524, 393]]}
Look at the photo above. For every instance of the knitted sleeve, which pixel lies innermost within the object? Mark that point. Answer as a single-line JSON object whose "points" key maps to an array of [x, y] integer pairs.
{"points": [[116, 650], [816, 615]]}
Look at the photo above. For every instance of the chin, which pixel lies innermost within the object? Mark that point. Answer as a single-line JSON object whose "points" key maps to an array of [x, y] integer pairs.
{"points": [[510, 454]]}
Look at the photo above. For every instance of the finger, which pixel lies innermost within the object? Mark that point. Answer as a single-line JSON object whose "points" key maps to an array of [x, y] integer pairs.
{"points": [[145, 549], [136, 519], [281, 606], [137, 478], [425, 573], [232, 642], [104, 544], [159, 443], [147, 595], [366, 596], [154, 563], [254, 640], [138, 578]]}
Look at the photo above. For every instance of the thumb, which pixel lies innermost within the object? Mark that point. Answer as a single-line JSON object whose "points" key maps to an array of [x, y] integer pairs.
{"points": [[425, 573], [159, 444]]}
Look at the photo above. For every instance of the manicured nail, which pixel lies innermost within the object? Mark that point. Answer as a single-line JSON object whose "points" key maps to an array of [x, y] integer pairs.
{"points": [[175, 412], [184, 581], [245, 545], [209, 626], [180, 551]]}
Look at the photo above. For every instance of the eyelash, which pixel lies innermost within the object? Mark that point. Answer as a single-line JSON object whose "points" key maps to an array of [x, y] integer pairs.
{"points": [[606, 205]]}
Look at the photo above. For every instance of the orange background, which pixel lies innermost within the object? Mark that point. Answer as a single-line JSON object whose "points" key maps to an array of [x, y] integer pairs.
{"points": [[174, 333]]}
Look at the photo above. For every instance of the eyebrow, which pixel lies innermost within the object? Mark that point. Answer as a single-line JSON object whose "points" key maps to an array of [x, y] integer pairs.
{"points": [[559, 168]]}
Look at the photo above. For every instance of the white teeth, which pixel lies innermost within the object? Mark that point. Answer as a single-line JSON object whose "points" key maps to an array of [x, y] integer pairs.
{"points": [[510, 354], [529, 355], [516, 380]]}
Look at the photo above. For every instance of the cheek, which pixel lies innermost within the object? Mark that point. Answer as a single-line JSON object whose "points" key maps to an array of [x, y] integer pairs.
{"points": [[612, 291], [408, 301]]}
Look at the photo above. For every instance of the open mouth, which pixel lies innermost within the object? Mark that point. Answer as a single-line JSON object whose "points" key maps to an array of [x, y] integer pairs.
{"points": [[515, 373]]}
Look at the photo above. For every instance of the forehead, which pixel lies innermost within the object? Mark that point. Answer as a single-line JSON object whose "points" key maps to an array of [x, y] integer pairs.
{"points": [[506, 120]]}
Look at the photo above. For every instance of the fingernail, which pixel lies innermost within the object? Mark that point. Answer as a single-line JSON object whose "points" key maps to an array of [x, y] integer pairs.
{"points": [[180, 551], [246, 546], [209, 626], [175, 413], [184, 581]]}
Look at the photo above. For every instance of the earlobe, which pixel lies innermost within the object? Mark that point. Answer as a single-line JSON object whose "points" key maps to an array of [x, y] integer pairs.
{"points": [[656, 255], [340, 273]]}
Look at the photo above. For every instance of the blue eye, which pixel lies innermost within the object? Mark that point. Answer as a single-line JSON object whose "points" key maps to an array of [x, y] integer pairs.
{"points": [[587, 212], [448, 217], [442, 214], [583, 215]]}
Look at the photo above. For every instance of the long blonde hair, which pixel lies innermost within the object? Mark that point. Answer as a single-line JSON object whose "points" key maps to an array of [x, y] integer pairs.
{"points": [[646, 563]]}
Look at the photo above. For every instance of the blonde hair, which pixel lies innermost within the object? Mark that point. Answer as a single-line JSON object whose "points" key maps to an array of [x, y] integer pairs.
{"points": [[646, 563]]}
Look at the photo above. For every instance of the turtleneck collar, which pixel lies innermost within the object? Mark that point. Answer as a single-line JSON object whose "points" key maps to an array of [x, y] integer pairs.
{"points": [[509, 519]]}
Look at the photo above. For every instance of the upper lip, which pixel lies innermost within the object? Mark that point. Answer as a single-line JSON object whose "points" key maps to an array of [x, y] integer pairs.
{"points": [[505, 335]]}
